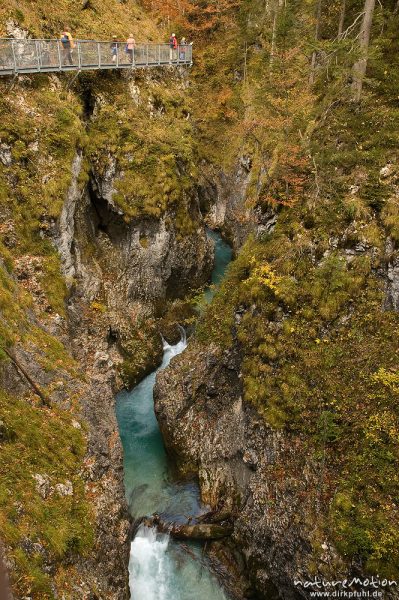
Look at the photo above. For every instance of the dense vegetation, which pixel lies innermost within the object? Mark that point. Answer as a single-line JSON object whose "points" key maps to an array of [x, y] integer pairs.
{"points": [[274, 82], [319, 346], [44, 524], [43, 124]]}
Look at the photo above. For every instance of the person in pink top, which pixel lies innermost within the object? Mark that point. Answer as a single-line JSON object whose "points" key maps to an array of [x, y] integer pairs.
{"points": [[173, 45], [130, 46]]}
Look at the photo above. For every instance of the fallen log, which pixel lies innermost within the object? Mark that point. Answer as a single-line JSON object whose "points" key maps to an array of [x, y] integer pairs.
{"points": [[204, 531], [200, 531], [215, 516]]}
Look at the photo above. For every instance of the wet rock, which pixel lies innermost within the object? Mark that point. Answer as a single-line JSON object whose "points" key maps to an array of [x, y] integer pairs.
{"points": [[171, 332], [201, 531]]}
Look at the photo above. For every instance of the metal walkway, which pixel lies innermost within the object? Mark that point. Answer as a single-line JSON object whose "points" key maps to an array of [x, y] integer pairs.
{"points": [[47, 56]]}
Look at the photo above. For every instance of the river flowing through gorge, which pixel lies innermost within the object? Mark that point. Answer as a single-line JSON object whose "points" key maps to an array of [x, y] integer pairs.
{"points": [[160, 568]]}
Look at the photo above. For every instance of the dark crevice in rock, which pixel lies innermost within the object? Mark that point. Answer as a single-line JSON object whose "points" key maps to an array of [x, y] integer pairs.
{"points": [[105, 218], [89, 102]]}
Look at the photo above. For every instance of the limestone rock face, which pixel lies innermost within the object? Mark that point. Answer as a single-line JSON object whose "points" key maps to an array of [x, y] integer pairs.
{"points": [[140, 262], [67, 224], [244, 467], [124, 270], [14, 31], [105, 569], [223, 196]]}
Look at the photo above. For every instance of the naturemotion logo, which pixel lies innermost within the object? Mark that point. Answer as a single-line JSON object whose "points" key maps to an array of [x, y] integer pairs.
{"points": [[354, 588]]}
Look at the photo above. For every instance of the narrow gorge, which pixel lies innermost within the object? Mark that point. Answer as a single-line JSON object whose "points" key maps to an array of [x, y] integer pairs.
{"points": [[199, 292]]}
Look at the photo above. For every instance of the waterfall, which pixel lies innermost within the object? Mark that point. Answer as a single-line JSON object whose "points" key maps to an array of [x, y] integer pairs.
{"points": [[171, 351], [149, 566]]}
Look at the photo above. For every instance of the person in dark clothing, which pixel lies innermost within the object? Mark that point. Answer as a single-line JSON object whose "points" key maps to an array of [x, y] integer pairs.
{"points": [[114, 48], [67, 47]]}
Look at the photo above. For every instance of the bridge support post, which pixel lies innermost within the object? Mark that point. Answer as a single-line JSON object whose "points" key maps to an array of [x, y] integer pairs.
{"points": [[38, 57], [59, 54], [74, 78], [14, 79], [14, 57], [79, 56]]}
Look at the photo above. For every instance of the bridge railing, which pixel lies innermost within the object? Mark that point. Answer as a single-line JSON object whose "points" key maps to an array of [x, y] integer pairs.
{"points": [[32, 56]]}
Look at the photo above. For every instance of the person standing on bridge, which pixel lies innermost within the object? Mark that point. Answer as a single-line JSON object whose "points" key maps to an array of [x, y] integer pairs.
{"points": [[130, 46], [173, 44], [182, 48], [67, 46], [114, 48]]}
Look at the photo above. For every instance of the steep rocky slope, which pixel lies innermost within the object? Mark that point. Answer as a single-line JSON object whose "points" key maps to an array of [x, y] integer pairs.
{"points": [[100, 233], [285, 406]]}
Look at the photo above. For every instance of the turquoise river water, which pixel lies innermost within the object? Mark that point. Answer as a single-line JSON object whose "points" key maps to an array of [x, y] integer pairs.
{"points": [[160, 568]]}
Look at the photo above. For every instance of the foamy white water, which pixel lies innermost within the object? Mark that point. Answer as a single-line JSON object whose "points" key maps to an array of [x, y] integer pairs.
{"points": [[149, 568], [161, 569]]}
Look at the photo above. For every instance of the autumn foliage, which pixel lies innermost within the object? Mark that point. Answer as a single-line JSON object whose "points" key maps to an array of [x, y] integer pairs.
{"points": [[196, 18]]}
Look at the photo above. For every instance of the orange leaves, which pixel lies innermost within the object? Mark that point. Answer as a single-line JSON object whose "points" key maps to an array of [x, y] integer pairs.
{"points": [[224, 96], [286, 180], [176, 11], [193, 16]]}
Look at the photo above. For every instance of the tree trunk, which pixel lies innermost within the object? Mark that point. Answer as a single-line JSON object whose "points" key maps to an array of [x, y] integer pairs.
{"points": [[342, 19], [360, 66], [277, 6], [43, 397], [198, 531], [316, 37], [273, 46]]}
